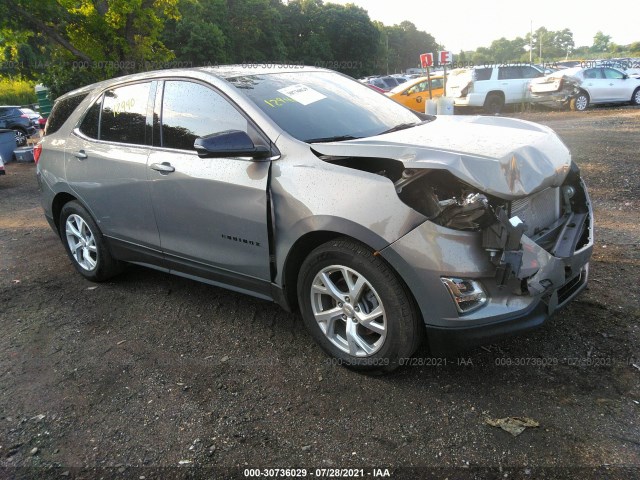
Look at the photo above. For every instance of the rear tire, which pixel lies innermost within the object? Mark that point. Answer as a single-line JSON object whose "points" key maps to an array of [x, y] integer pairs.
{"points": [[580, 102], [357, 308], [21, 137], [85, 245], [493, 104]]}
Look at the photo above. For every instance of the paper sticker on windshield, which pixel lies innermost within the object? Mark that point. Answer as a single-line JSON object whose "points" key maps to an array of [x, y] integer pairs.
{"points": [[302, 94]]}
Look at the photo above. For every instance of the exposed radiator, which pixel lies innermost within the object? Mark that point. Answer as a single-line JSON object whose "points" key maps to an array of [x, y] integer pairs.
{"points": [[539, 210]]}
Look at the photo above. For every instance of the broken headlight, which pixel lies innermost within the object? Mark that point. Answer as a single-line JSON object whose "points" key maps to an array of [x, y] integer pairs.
{"points": [[444, 199]]}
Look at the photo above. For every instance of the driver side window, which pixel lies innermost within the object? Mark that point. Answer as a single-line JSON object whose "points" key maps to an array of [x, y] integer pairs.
{"points": [[191, 110]]}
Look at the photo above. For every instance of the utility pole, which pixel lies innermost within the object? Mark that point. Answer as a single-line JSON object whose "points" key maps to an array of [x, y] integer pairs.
{"points": [[540, 41], [387, 36], [531, 44]]}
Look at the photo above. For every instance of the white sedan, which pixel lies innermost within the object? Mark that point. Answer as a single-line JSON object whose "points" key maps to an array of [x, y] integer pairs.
{"points": [[580, 87]]}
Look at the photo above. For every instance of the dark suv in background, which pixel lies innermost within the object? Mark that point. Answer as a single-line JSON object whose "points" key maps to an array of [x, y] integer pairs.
{"points": [[19, 121]]}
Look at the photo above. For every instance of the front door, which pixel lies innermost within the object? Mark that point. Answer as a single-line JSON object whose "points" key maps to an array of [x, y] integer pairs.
{"points": [[211, 212]]}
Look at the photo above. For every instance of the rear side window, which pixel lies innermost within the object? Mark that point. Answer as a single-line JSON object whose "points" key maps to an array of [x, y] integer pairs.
{"points": [[191, 110], [124, 114], [507, 73], [90, 122], [530, 72], [483, 73], [593, 73], [62, 110]]}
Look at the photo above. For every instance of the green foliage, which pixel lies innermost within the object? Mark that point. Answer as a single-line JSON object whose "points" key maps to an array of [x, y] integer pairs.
{"points": [[504, 50], [16, 92], [108, 36], [69, 43]]}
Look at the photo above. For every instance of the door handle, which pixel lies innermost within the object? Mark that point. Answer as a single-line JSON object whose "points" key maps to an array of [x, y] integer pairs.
{"points": [[611, 84], [80, 155], [164, 167]]}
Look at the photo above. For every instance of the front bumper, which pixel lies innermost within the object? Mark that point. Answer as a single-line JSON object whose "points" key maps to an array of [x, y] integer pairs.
{"points": [[517, 303], [444, 340]]}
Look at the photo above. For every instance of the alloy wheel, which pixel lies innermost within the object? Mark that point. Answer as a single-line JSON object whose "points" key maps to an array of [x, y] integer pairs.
{"points": [[21, 138], [81, 241], [348, 311], [581, 102]]}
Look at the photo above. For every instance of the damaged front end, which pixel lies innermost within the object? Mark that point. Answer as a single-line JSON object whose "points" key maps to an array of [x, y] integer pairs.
{"points": [[536, 246], [542, 242]]}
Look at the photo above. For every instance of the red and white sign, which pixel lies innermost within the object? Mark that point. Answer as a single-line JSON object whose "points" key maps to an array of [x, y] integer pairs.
{"points": [[445, 57], [426, 60]]}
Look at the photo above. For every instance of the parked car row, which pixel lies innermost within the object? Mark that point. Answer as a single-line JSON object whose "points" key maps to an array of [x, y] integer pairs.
{"points": [[492, 88]]}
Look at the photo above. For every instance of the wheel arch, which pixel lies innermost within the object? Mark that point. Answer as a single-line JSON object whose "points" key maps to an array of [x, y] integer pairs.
{"points": [[59, 201], [583, 90], [310, 241], [499, 93]]}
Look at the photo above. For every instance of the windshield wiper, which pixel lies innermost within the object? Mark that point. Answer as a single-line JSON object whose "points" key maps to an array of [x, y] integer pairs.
{"points": [[337, 138], [404, 126]]}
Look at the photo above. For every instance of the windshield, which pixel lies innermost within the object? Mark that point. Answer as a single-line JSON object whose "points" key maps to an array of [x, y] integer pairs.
{"points": [[323, 106]]}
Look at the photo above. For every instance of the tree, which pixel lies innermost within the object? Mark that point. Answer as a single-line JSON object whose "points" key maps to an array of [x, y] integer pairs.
{"points": [[600, 42], [198, 36], [98, 38], [403, 45], [507, 51]]}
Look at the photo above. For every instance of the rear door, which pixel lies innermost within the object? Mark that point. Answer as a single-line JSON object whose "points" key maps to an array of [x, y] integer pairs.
{"points": [[211, 212], [106, 164], [596, 85], [512, 83]]}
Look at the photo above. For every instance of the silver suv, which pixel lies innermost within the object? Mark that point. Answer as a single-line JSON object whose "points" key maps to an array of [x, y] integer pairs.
{"points": [[306, 188]]}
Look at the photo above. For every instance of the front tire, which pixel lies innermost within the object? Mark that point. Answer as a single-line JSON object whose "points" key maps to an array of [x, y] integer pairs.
{"points": [[635, 98], [580, 102], [357, 308], [85, 245]]}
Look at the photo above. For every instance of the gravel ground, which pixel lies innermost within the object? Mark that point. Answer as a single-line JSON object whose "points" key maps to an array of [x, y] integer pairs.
{"points": [[156, 376]]}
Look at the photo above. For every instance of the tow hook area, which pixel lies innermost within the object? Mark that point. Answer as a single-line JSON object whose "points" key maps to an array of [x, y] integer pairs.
{"points": [[515, 255], [503, 242]]}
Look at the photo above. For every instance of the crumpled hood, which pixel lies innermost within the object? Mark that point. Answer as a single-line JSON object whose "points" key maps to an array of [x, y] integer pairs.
{"points": [[504, 157]]}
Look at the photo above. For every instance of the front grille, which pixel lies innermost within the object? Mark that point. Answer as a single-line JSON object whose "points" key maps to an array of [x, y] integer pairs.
{"points": [[539, 210]]}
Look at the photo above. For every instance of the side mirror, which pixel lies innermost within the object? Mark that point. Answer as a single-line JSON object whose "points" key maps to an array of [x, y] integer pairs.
{"points": [[625, 76], [230, 143]]}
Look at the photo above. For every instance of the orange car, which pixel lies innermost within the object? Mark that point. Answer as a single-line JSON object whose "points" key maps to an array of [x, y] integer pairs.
{"points": [[414, 93]]}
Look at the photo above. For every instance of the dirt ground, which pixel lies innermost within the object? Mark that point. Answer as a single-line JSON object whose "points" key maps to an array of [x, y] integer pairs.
{"points": [[155, 376]]}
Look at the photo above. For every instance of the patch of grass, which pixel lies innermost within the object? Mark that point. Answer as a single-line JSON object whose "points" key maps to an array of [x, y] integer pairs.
{"points": [[16, 92]]}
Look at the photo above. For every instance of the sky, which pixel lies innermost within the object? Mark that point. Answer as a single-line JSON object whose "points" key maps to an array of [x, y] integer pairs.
{"points": [[469, 24]]}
